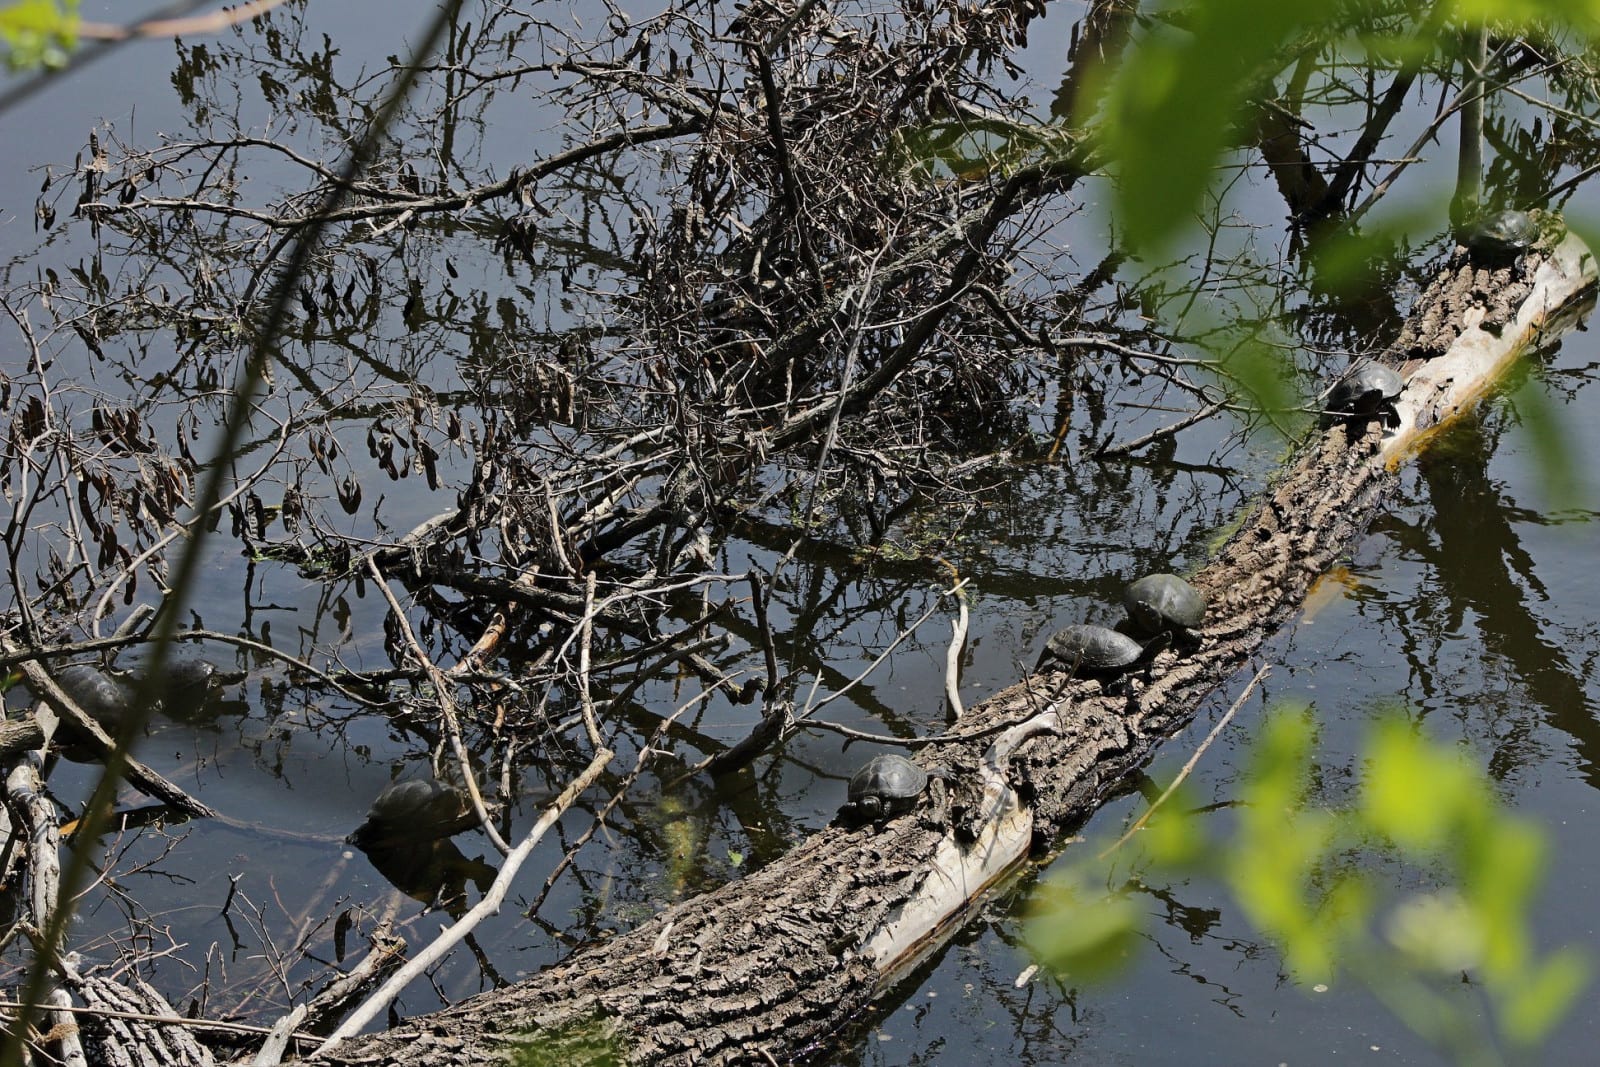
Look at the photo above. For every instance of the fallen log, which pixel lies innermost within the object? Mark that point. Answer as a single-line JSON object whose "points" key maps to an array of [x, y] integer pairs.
{"points": [[761, 970]]}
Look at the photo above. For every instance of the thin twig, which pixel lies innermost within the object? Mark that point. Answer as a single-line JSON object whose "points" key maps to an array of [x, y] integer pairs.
{"points": [[812, 708], [952, 655], [446, 702], [192, 26], [489, 905], [1188, 767], [647, 752], [586, 635], [1169, 430]]}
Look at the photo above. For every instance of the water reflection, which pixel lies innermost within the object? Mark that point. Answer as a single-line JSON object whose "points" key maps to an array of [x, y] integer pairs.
{"points": [[372, 381], [1488, 603], [431, 870]]}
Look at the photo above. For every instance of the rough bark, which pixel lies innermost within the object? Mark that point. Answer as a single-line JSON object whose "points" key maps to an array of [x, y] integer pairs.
{"points": [[763, 969]]}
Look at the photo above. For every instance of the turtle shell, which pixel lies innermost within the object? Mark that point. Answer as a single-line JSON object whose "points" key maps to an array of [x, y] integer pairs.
{"points": [[185, 686], [419, 809], [1366, 391], [1158, 603], [1087, 649], [887, 785], [1500, 236], [104, 698]]}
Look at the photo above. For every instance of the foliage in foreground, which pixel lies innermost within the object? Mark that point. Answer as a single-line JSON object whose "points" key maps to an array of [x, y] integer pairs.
{"points": [[1310, 879], [38, 33]]}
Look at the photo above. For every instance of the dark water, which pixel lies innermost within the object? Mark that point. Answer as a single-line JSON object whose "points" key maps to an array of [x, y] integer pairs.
{"points": [[1471, 602]]}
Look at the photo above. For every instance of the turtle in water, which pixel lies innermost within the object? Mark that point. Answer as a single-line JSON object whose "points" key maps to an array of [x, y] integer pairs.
{"points": [[1497, 238], [1366, 391], [1090, 651], [1165, 603], [187, 689], [181, 692], [418, 809], [106, 698], [886, 786]]}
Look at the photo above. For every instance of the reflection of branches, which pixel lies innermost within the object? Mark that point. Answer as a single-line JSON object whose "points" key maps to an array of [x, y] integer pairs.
{"points": [[394, 201], [738, 294], [447, 709], [184, 575]]}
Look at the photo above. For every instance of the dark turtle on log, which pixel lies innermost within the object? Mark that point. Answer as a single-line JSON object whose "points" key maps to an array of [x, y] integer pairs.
{"points": [[886, 786], [1165, 603], [1090, 651], [1366, 391], [1499, 237]]}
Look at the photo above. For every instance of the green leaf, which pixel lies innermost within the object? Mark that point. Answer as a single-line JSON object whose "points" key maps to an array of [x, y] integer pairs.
{"points": [[1545, 996], [1080, 933], [1438, 932], [1173, 837], [1416, 793], [1260, 370], [1172, 107], [38, 33], [1508, 15], [1500, 872]]}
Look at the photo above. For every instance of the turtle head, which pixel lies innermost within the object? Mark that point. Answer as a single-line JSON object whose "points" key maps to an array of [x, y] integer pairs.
{"points": [[1147, 616], [863, 810]]}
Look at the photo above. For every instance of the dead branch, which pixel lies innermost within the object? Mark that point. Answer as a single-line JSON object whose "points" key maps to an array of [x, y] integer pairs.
{"points": [[333, 999], [25, 795], [489, 905]]}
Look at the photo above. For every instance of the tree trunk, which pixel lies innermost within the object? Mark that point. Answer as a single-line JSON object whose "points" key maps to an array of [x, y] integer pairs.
{"points": [[761, 970]]}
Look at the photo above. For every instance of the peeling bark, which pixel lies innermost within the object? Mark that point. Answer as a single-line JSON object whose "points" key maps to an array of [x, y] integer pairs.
{"points": [[761, 970]]}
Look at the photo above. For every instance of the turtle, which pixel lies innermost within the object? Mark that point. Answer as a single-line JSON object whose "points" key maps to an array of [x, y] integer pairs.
{"points": [[886, 786], [1366, 391], [418, 809], [1098, 651], [104, 697], [187, 688], [1164, 603], [183, 690], [1499, 237]]}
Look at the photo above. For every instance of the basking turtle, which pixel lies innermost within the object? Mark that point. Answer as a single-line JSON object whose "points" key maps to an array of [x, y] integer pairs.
{"points": [[419, 809], [886, 786], [1090, 651], [1164, 603], [1499, 237], [1366, 391]]}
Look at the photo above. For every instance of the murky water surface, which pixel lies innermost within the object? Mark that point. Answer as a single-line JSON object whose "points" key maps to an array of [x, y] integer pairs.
{"points": [[1472, 603]]}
